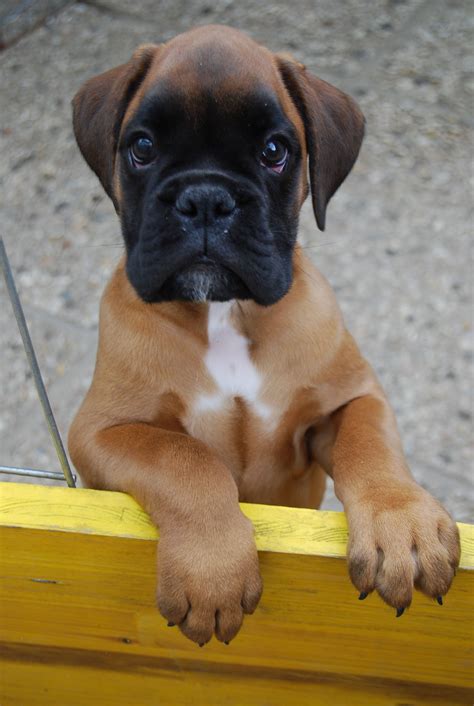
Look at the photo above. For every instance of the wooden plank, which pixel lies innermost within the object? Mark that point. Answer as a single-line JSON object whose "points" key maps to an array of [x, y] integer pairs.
{"points": [[79, 626], [277, 529]]}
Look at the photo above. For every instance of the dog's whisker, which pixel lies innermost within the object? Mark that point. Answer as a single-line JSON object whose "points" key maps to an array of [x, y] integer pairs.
{"points": [[305, 271], [101, 245], [316, 246]]}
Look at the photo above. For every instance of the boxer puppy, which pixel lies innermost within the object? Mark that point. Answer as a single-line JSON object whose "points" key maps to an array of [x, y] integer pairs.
{"points": [[224, 369]]}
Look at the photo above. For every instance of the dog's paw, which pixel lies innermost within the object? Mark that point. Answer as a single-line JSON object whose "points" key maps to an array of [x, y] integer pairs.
{"points": [[399, 538], [208, 580]]}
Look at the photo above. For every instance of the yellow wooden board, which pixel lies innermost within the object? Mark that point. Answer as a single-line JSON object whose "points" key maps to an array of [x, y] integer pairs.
{"points": [[78, 625]]}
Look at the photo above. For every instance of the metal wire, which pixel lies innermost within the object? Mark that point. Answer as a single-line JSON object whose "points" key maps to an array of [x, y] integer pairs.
{"points": [[33, 363], [33, 473]]}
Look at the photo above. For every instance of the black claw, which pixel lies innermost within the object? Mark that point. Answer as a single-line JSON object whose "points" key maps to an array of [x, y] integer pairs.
{"points": [[226, 642], [439, 600], [170, 624], [363, 595], [400, 612], [201, 644]]}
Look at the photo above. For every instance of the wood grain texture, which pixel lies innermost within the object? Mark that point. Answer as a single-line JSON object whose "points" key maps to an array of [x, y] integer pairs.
{"points": [[79, 625], [277, 529]]}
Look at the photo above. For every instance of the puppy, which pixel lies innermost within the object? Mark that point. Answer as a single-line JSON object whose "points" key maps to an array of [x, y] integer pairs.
{"points": [[224, 369]]}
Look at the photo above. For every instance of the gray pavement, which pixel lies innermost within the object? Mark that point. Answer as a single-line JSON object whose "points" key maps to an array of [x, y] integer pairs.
{"points": [[396, 249]]}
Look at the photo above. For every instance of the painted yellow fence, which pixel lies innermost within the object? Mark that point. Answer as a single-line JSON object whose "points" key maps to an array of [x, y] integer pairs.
{"points": [[79, 626]]}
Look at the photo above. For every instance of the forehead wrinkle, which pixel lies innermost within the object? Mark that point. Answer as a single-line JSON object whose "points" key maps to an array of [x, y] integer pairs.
{"points": [[226, 93], [162, 103], [257, 108]]}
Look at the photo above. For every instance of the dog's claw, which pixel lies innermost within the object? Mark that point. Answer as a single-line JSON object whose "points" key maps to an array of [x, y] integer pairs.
{"points": [[400, 612], [170, 624], [201, 644], [363, 595], [226, 642], [439, 599]]}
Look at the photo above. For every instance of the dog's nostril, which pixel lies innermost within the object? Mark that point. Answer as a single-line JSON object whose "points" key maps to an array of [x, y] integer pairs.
{"points": [[186, 205], [224, 205]]}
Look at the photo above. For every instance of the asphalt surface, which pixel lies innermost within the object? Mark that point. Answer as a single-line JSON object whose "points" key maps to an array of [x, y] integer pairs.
{"points": [[397, 246]]}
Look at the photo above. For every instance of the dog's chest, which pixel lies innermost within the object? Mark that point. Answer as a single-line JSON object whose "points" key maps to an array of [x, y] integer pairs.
{"points": [[229, 365], [240, 405]]}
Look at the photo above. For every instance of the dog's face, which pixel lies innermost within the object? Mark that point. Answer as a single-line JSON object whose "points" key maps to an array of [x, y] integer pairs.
{"points": [[209, 170], [202, 144]]}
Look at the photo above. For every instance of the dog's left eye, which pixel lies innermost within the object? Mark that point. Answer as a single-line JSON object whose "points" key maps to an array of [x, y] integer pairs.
{"points": [[142, 151], [274, 156]]}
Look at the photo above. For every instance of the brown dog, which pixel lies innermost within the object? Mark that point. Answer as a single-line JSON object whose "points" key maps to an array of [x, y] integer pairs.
{"points": [[224, 369]]}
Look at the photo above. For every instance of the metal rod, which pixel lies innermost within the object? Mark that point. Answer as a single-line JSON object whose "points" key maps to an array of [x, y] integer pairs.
{"points": [[33, 473], [30, 354]]}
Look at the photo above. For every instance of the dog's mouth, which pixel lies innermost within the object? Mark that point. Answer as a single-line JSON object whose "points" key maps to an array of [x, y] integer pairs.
{"points": [[205, 280]]}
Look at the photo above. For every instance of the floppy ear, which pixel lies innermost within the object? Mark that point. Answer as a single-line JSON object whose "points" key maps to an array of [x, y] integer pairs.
{"points": [[334, 128], [98, 110]]}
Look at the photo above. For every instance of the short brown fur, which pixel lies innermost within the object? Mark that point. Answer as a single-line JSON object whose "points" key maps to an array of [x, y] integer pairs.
{"points": [[136, 430]]}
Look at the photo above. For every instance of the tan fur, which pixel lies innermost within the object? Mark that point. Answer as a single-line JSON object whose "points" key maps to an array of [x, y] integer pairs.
{"points": [[138, 432]]}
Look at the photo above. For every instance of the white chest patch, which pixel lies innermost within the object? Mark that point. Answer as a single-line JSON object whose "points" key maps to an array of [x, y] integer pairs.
{"points": [[228, 362]]}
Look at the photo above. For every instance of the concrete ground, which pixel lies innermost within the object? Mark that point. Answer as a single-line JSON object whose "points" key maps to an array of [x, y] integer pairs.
{"points": [[396, 248]]}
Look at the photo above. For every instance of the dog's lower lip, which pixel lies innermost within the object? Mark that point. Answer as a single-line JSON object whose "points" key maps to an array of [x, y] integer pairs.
{"points": [[203, 260], [203, 264]]}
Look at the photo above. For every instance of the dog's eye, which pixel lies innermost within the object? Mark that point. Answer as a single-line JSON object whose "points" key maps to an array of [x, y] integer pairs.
{"points": [[274, 156], [142, 151]]}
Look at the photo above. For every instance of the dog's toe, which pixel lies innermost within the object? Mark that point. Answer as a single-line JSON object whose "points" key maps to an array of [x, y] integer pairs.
{"points": [[199, 623], [228, 622]]}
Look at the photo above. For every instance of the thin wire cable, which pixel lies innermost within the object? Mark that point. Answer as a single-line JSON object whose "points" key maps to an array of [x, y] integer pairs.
{"points": [[33, 363], [33, 473]]}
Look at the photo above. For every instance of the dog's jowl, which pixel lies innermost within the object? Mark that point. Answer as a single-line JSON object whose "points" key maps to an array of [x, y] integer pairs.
{"points": [[224, 369]]}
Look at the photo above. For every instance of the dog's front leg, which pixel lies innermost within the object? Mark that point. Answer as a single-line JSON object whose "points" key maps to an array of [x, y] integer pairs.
{"points": [[400, 536], [208, 573]]}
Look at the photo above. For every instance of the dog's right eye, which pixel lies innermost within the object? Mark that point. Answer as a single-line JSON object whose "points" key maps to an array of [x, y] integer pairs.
{"points": [[274, 156], [142, 151]]}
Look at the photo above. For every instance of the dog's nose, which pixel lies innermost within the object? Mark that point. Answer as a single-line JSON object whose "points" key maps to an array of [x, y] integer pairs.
{"points": [[205, 202]]}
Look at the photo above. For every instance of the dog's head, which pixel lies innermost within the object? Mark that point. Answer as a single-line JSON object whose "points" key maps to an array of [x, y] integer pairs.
{"points": [[202, 144]]}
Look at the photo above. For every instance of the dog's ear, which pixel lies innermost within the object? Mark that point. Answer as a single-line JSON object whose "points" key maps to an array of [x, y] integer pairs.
{"points": [[98, 110], [334, 128]]}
